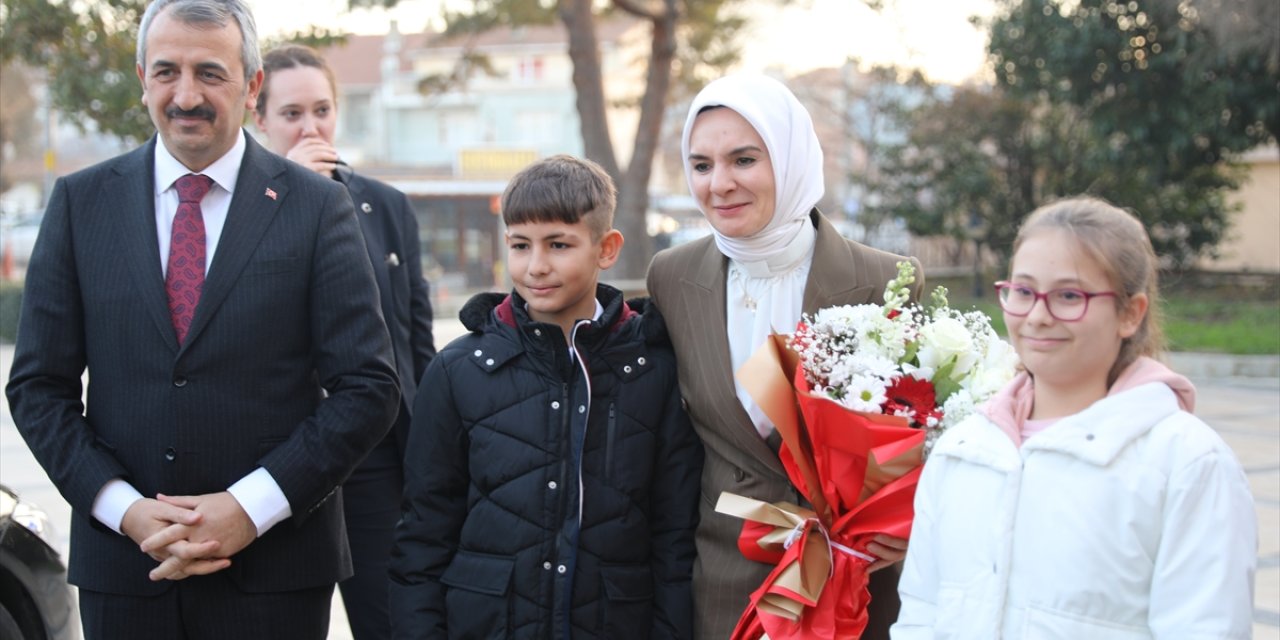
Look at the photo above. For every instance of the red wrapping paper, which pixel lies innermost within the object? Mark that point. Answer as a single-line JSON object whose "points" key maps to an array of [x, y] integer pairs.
{"points": [[858, 470]]}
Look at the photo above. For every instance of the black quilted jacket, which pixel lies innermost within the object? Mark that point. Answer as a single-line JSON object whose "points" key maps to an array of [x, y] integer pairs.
{"points": [[541, 504]]}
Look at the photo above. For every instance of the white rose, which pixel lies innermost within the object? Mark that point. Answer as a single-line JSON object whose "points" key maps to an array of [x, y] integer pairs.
{"points": [[943, 339], [997, 368]]}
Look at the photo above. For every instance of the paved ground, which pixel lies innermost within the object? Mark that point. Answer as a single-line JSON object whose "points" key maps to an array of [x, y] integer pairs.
{"points": [[1245, 410]]}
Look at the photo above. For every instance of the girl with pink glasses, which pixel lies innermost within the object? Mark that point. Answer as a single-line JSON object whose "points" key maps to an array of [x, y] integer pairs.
{"points": [[1085, 500]]}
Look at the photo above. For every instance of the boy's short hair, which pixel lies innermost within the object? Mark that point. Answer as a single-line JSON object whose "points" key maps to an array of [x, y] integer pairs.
{"points": [[562, 188]]}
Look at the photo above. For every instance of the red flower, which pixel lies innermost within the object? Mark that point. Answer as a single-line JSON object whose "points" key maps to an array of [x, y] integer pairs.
{"points": [[914, 397]]}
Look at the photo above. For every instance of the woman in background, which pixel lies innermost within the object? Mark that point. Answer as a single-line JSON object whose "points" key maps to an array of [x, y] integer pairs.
{"points": [[297, 112], [754, 165]]}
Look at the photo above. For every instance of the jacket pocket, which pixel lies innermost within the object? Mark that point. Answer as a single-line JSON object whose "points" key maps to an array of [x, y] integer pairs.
{"points": [[628, 600], [476, 602], [1051, 624]]}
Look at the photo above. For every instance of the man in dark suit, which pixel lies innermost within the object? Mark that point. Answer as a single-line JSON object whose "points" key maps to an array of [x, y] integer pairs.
{"points": [[239, 366]]}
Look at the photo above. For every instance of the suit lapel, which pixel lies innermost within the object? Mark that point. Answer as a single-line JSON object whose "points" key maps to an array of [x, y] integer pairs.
{"points": [[703, 302], [373, 223], [132, 190], [251, 212], [837, 275]]}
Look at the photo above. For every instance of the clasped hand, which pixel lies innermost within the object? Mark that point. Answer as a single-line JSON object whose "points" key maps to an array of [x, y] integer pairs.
{"points": [[189, 535]]}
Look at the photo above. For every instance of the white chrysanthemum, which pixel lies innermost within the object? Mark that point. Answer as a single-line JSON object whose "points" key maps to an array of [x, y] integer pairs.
{"points": [[865, 393], [880, 367]]}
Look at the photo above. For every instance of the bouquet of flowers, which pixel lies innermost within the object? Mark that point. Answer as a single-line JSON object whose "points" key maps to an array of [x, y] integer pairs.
{"points": [[930, 365], [858, 394]]}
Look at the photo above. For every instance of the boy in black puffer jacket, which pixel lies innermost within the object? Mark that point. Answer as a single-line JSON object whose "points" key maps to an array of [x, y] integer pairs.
{"points": [[551, 476]]}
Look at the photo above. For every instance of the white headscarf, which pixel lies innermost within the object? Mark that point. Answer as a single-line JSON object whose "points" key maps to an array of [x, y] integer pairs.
{"points": [[787, 131], [767, 270]]}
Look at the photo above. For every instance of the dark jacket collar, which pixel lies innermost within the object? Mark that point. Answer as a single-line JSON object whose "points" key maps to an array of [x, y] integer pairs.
{"points": [[509, 310]]}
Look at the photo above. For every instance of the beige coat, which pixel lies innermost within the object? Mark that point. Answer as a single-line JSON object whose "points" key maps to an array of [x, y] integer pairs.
{"points": [[687, 283]]}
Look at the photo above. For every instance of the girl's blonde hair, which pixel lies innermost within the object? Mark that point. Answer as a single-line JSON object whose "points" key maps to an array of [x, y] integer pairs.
{"points": [[1117, 241]]}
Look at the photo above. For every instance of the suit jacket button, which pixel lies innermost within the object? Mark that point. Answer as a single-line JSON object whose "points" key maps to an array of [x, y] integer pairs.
{"points": [[739, 475], [179, 382], [170, 454]]}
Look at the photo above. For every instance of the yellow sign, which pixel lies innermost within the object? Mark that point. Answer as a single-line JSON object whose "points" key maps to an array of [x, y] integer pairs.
{"points": [[493, 163]]}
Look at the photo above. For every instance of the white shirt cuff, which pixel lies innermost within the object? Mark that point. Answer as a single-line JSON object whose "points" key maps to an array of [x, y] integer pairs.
{"points": [[261, 498], [115, 498]]}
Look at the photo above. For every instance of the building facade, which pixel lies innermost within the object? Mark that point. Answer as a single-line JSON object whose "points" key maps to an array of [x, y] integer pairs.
{"points": [[449, 121]]}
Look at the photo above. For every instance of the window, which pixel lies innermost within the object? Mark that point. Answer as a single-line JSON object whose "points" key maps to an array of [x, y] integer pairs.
{"points": [[356, 115], [528, 70]]}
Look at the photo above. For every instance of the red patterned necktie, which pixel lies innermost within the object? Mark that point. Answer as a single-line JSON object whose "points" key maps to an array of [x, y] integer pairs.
{"points": [[185, 275]]}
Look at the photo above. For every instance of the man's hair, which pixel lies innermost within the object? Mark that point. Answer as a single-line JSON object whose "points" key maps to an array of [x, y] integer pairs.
{"points": [[213, 13], [562, 188], [292, 56]]}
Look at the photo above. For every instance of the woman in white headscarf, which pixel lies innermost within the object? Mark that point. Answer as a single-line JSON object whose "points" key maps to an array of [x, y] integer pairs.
{"points": [[754, 165]]}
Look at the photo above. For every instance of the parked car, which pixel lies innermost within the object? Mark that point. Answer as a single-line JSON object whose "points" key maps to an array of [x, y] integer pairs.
{"points": [[36, 603]]}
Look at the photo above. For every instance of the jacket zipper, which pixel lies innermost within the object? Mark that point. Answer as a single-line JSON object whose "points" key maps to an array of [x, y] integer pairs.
{"points": [[608, 442]]}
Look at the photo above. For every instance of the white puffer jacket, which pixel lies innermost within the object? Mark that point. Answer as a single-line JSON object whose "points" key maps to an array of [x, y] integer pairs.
{"points": [[1131, 519]]}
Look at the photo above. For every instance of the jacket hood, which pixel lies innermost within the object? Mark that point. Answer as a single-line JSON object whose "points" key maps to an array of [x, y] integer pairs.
{"points": [[1009, 408], [477, 310]]}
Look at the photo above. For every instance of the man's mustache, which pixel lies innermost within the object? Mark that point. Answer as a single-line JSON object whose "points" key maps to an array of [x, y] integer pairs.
{"points": [[199, 112]]}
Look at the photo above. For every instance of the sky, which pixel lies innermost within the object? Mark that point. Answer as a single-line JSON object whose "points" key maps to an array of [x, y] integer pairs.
{"points": [[933, 36]]}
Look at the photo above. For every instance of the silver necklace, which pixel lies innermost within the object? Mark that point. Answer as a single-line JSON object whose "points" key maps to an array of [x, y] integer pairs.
{"points": [[748, 300]]}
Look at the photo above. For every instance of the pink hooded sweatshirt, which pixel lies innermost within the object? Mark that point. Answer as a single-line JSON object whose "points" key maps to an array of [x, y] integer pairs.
{"points": [[1009, 408]]}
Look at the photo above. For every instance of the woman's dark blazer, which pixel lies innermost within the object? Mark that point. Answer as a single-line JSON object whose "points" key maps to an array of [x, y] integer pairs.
{"points": [[391, 233]]}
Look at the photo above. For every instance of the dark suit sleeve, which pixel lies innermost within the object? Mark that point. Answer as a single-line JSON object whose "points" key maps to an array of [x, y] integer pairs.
{"points": [[45, 387], [351, 352], [436, 473], [677, 470]]}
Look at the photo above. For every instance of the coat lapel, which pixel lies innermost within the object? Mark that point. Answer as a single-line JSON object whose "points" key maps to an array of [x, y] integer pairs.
{"points": [[373, 223], [703, 302], [132, 190], [837, 275], [248, 218]]}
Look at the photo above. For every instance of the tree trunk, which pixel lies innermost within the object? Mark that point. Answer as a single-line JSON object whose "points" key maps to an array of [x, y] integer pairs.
{"points": [[633, 184], [633, 189], [588, 82]]}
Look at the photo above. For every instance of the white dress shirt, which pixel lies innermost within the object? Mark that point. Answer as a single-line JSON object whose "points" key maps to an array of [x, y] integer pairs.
{"points": [[258, 493], [763, 297]]}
